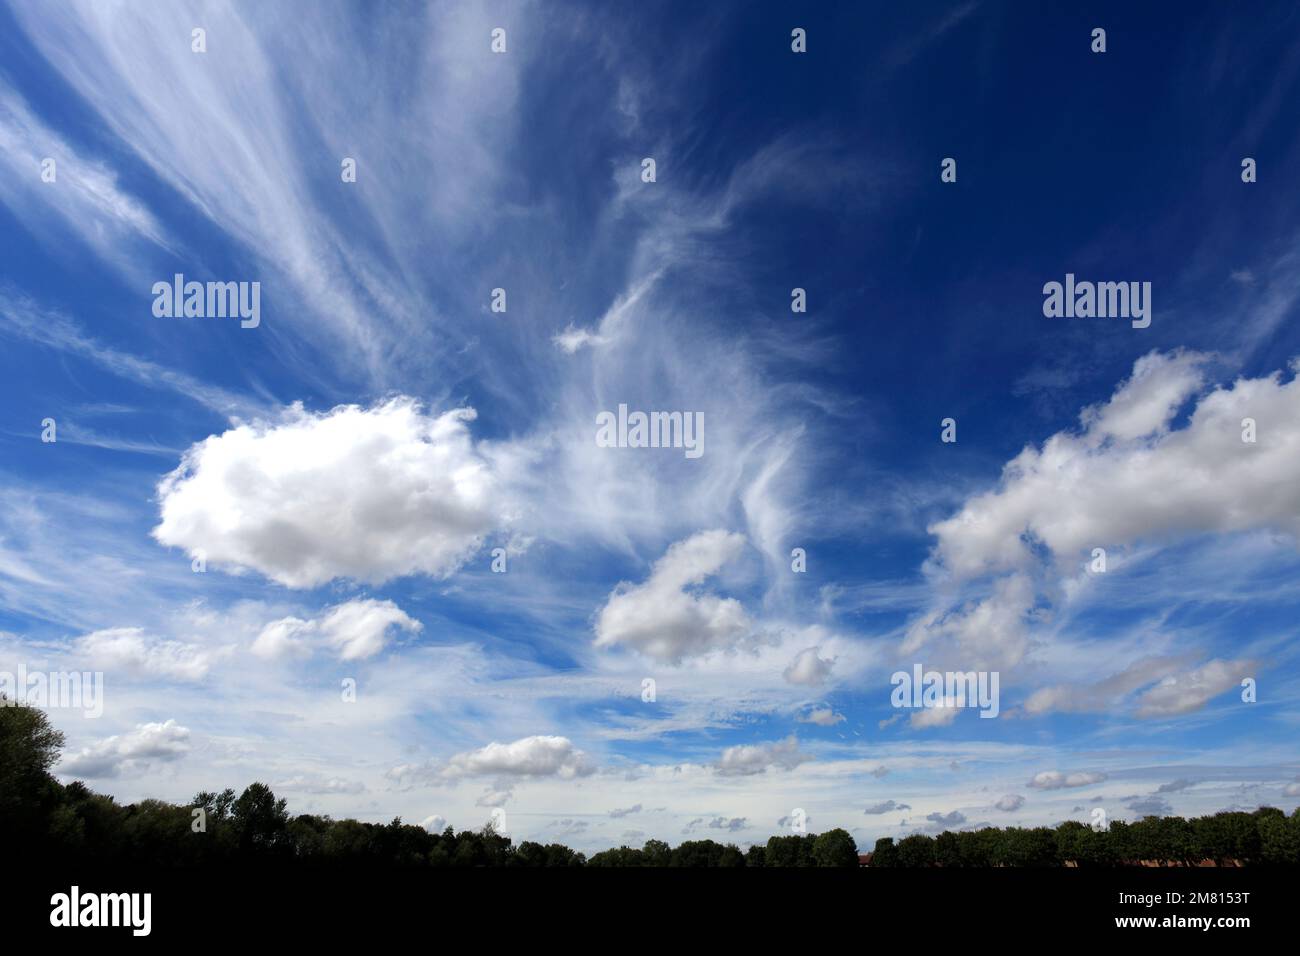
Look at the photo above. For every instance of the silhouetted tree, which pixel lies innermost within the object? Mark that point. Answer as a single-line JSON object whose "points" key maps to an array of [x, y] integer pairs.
{"points": [[1280, 837], [916, 850], [533, 854], [72, 824], [656, 853], [705, 853], [261, 821], [29, 747], [947, 849], [622, 856], [792, 850], [835, 848], [885, 853]]}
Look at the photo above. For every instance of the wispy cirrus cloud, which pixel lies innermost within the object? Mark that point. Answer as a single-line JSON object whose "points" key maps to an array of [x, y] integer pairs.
{"points": [[45, 173]]}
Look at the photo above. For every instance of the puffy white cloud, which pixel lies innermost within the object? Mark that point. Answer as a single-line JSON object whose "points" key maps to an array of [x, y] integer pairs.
{"points": [[355, 630], [569, 827], [131, 649], [367, 494], [535, 756], [529, 758], [809, 669], [434, 824], [1146, 403], [359, 629], [1150, 807], [1169, 692], [1183, 693], [746, 759], [821, 716], [663, 620], [1291, 790], [1010, 803], [878, 808], [287, 637], [1162, 459], [728, 823], [129, 753], [941, 821], [940, 716], [1129, 475], [1056, 780], [989, 633], [1103, 694]]}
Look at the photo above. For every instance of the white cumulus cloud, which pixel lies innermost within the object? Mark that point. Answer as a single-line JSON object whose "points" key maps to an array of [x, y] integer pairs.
{"points": [[134, 651], [537, 756], [941, 716], [808, 668], [355, 630], [1183, 693], [821, 716], [367, 494], [1056, 780], [129, 753], [747, 759], [665, 621], [1170, 688], [1129, 475]]}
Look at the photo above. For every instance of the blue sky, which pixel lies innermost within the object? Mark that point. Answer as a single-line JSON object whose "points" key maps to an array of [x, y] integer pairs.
{"points": [[347, 469]]}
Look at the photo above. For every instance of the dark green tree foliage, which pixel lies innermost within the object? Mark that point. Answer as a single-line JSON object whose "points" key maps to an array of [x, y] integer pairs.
{"points": [[622, 856], [1083, 845], [657, 853], [1023, 847], [794, 850], [947, 849], [552, 854], [261, 822], [29, 747], [1232, 838], [72, 823], [1279, 836], [885, 853], [916, 850], [704, 853], [835, 848]]}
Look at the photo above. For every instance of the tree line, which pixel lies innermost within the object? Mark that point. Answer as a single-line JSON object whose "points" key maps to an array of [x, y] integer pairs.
{"points": [[1230, 838], [73, 823]]}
